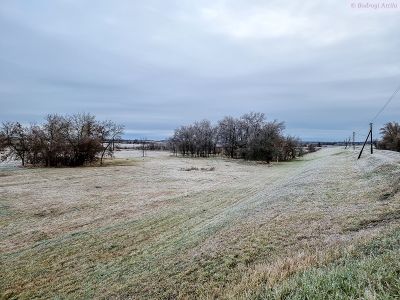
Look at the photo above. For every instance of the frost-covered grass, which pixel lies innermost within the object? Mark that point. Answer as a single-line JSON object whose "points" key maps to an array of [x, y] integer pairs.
{"points": [[143, 228], [368, 271]]}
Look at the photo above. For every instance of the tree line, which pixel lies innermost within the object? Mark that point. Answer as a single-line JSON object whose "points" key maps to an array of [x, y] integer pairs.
{"points": [[72, 140], [249, 137]]}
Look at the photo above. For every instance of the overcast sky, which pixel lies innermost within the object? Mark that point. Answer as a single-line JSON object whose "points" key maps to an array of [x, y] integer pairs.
{"points": [[323, 67]]}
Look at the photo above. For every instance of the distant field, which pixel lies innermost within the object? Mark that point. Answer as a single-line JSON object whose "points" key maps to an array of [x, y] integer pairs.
{"points": [[163, 227]]}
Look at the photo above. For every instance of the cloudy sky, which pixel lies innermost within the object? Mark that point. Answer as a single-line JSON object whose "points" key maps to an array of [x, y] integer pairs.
{"points": [[323, 67]]}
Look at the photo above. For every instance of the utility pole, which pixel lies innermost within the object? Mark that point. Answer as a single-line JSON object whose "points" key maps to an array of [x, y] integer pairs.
{"points": [[143, 147], [366, 140], [370, 130], [354, 140]]}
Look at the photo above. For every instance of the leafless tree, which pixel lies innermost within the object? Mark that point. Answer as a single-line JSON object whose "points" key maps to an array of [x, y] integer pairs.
{"points": [[228, 132], [311, 148], [249, 137], [61, 141], [143, 146], [198, 139], [109, 132], [15, 141], [390, 137]]}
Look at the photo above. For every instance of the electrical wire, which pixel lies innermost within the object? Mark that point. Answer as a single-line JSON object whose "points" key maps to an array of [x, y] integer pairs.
{"points": [[386, 104], [378, 114]]}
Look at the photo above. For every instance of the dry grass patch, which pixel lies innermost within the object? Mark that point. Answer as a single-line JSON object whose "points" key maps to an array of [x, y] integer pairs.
{"points": [[151, 231], [270, 274], [119, 162]]}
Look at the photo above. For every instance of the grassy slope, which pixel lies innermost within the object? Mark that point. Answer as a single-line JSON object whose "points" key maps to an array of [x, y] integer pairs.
{"points": [[242, 231], [369, 271]]}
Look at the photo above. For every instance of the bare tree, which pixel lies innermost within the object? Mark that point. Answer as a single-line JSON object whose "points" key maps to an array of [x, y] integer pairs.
{"points": [[390, 137], [291, 148], [61, 141], [228, 135], [143, 146], [55, 149], [109, 132], [249, 137], [311, 148], [15, 141]]}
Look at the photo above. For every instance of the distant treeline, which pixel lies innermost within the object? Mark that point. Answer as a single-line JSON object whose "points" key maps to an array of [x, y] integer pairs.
{"points": [[61, 141], [249, 137]]}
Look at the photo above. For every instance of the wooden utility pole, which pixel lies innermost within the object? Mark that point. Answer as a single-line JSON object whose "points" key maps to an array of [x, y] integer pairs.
{"points": [[354, 140], [143, 147], [370, 130], [347, 143], [366, 140]]}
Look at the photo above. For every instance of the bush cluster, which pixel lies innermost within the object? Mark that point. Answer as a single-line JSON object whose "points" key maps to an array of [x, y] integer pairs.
{"points": [[390, 137], [250, 137], [61, 141]]}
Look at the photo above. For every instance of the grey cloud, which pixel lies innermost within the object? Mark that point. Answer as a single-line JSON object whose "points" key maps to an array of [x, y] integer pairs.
{"points": [[323, 68]]}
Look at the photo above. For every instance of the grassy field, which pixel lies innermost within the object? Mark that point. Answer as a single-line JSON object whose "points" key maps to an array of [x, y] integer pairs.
{"points": [[322, 227]]}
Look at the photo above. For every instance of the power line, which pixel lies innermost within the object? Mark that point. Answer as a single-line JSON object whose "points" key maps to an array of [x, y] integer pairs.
{"points": [[386, 104], [372, 121]]}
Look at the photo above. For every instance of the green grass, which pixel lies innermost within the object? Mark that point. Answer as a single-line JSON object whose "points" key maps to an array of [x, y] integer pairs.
{"points": [[370, 271]]}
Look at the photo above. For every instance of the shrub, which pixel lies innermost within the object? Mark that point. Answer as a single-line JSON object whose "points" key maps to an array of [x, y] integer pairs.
{"points": [[61, 141], [250, 137], [390, 137]]}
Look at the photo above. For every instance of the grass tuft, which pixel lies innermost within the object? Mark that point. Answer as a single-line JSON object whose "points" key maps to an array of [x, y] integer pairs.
{"points": [[370, 271]]}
